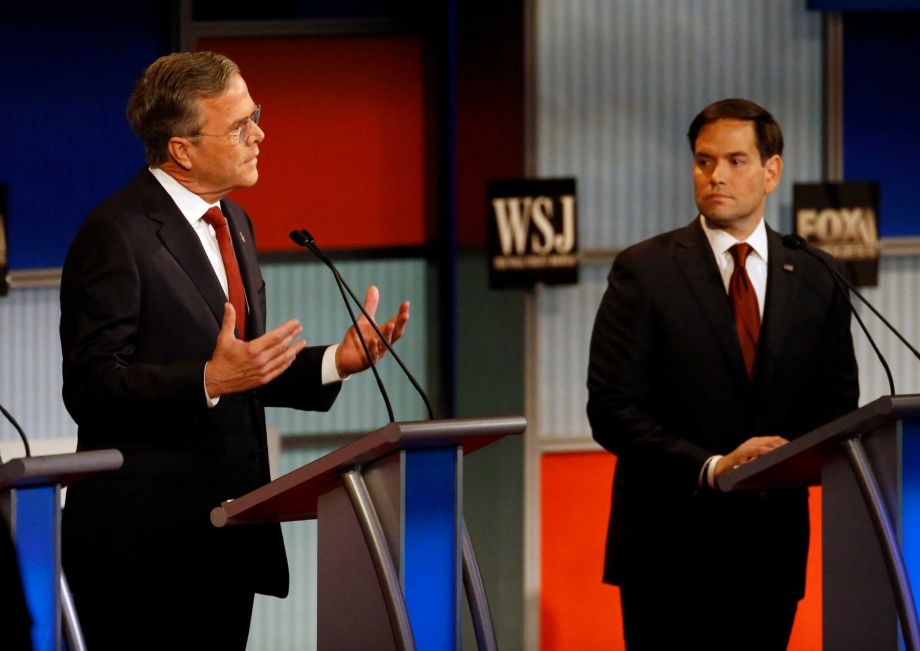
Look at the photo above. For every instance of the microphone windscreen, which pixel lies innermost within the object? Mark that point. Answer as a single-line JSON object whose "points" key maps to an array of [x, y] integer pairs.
{"points": [[299, 238]]}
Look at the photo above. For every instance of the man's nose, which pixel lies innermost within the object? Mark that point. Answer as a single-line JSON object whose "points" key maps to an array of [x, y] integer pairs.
{"points": [[256, 134], [718, 173]]}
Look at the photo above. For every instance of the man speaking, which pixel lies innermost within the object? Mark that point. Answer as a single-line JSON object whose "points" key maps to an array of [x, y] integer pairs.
{"points": [[713, 345], [165, 357]]}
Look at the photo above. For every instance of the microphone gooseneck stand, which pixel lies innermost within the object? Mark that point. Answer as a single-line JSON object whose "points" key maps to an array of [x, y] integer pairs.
{"points": [[862, 469]]}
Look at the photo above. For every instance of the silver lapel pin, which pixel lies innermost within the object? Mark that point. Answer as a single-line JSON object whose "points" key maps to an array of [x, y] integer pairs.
{"points": [[788, 267], [242, 238]]}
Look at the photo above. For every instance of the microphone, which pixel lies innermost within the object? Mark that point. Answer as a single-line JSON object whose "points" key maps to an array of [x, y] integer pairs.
{"points": [[302, 237], [22, 435], [793, 241]]}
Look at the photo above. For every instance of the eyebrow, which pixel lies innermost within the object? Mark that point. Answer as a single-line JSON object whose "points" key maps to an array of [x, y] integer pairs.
{"points": [[731, 154]]}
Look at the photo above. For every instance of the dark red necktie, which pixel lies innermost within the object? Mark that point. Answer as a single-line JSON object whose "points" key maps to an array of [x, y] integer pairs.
{"points": [[234, 280], [744, 304]]}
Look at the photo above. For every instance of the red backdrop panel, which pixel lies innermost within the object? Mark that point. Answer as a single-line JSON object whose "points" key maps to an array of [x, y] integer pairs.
{"points": [[344, 149], [577, 611]]}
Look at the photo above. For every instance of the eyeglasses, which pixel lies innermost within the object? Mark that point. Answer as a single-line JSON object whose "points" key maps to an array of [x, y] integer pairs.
{"points": [[239, 135]]}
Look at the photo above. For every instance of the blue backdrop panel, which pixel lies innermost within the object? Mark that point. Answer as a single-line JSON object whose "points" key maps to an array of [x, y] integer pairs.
{"points": [[36, 543], [910, 500], [67, 70], [431, 551], [881, 135]]}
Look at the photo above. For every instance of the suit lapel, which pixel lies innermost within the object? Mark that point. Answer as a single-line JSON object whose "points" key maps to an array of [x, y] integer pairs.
{"points": [[183, 244], [696, 262], [783, 279]]}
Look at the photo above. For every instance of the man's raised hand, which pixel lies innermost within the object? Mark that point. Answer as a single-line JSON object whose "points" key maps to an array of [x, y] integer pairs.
{"points": [[237, 366], [350, 357]]}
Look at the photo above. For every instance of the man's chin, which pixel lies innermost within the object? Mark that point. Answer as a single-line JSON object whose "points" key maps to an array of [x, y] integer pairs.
{"points": [[718, 219], [249, 179]]}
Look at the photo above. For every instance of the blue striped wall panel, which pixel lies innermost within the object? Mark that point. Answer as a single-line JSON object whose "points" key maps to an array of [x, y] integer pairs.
{"points": [[566, 317], [30, 351], [618, 82], [308, 292], [30, 365], [290, 623]]}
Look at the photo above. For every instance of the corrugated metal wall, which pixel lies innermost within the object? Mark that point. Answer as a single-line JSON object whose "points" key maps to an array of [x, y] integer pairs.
{"points": [[30, 387], [30, 365], [308, 292], [290, 623], [618, 82], [566, 316], [30, 350]]}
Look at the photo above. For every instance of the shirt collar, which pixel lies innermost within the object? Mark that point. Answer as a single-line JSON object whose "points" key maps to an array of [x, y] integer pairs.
{"points": [[721, 242], [189, 204]]}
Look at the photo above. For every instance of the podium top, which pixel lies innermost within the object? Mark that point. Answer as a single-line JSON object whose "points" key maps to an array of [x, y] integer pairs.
{"points": [[60, 469], [294, 496], [798, 463]]}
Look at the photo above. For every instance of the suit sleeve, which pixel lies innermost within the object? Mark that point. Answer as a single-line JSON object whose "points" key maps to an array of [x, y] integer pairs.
{"points": [[620, 384], [301, 387], [100, 316]]}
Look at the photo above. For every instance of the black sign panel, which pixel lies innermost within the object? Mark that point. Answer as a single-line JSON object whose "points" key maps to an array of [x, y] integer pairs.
{"points": [[532, 232], [4, 264], [842, 219]]}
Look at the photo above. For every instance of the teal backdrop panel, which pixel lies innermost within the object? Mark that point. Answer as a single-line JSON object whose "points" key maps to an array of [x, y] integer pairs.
{"points": [[307, 291]]}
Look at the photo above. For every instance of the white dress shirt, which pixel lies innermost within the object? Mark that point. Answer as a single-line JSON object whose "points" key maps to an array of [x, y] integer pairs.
{"points": [[756, 267], [756, 263]]}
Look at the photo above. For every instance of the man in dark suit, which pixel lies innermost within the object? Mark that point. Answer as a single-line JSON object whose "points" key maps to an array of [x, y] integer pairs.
{"points": [[166, 358], [713, 345]]}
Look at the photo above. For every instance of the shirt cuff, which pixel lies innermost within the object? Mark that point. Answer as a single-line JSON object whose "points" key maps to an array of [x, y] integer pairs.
{"points": [[708, 471], [330, 374], [211, 402]]}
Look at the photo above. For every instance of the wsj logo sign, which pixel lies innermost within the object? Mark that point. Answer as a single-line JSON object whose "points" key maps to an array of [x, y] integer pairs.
{"points": [[514, 216], [532, 232], [840, 218]]}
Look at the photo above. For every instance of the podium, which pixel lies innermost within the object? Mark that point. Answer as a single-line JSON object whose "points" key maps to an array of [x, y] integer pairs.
{"points": [[30, 496], [392, 542], [868, 464]]}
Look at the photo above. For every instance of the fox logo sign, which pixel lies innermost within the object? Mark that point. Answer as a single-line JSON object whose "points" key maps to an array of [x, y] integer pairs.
{"points": [[532, 232], [841, 218]]}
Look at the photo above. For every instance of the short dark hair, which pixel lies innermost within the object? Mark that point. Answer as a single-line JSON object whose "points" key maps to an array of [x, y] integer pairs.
{"points": [[164, 102], [766, 128]]}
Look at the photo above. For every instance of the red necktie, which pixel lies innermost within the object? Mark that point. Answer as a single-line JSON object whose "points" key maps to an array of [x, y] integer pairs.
{"points": [[745, 307], [234, 280]]}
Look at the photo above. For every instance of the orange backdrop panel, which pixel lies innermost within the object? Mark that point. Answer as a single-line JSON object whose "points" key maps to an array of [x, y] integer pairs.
{"points": [[344, 149], [577, 611]]}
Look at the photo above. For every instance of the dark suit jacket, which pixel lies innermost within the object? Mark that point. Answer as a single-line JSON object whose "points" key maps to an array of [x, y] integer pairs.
{"points": [[141, 308], [667, 389]]}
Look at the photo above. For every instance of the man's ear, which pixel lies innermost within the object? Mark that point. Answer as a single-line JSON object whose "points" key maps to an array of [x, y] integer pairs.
{"points": [[774, 170], [179, 151]]}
